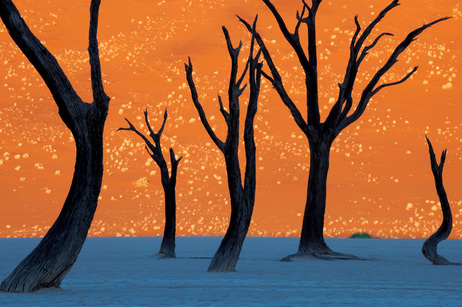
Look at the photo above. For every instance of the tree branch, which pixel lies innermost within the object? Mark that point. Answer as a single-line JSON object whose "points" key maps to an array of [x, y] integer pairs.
{"points": [[99, 96], [370, 89], [149, 146], [222, 109], [238, 83], [292, 39], [67, 100], [174, 163], [394, 83], [277, 81], [155, 136], [163, 123], [437, 170], [234, 90], [200, 110], [366, 49], [309, 64], [336, 114], [429, 248], [155, 150], [255, 72], [300, 18], [372, 25], [268, 77]]}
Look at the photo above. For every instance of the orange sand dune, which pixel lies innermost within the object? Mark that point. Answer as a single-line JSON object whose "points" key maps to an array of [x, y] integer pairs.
{"points": [[380, 180]]}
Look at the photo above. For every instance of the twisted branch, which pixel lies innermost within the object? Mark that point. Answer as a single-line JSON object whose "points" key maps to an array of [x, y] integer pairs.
{"points": [[429, 248]]}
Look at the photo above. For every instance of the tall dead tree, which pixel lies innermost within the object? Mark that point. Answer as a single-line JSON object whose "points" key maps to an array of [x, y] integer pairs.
{"points": [[430, 246], [242, 196], [167, 247], [51, 260], [343, 113]]}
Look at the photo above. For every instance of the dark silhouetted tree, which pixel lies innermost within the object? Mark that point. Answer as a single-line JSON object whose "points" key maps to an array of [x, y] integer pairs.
{"points": [[343, 113], [242, 196], [430, 246], [167, 247], [51, 260]]}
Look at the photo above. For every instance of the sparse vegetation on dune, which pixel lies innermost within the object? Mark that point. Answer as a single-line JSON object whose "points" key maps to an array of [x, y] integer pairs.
{"points": [[360, 235]]}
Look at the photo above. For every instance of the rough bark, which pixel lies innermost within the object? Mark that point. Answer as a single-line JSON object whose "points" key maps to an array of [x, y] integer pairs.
{"points": [[51, 260], [167, 247], [344, 112], [313, 221], [242, 195], [430, 246]]}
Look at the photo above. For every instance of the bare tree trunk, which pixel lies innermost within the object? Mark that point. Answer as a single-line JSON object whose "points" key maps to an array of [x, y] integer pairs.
{"points": [[311, 239], [430, 246], [344, 112], [227, 255], [242, 196], [167, 247], [51, 260]]}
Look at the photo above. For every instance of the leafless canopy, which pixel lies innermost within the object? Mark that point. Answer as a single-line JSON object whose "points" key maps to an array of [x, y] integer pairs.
{"points": [[167, 248], [242, 197], [155, 150], [341, 114], [344, 112]]}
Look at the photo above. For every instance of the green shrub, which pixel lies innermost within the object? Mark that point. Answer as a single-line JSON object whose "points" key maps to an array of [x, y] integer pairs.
{"points": [[361, 235]]}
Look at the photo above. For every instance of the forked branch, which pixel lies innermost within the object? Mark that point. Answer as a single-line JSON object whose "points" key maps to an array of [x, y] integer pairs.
{"points": [[255, 73], [292, 39], [371, 88], [276, 80], [167, 248], [235, 90], [357, 54], [43, 61], [154, 150], [99, 96], [242, 194], [429, 248], [307, 61]]}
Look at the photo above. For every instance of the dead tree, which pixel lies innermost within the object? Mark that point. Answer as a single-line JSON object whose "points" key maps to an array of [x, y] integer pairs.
{"points": [[242, 196], [343, 113], [430, 246], [167, 247], [51, 260]]}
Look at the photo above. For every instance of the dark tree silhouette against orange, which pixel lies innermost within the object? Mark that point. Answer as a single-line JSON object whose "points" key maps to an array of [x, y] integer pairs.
{"points": [[430, 246], [242, 196], [343, 113], [47, 265], [167, 247]]}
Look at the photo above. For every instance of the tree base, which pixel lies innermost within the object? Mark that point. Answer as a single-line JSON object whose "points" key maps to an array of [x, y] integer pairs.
{"points": [[160, 256], [325, 255], [221, 270], [431, 255], [222, 264]]}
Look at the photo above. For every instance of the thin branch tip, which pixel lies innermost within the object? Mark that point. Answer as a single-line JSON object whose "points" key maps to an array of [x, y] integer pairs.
{"points": [[188, 66]]}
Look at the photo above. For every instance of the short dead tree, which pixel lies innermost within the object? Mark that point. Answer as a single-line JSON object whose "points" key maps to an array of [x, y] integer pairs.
{"points": [[344, 112], [47, 265], [242, 196], [430, 246], [167, 247]]}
